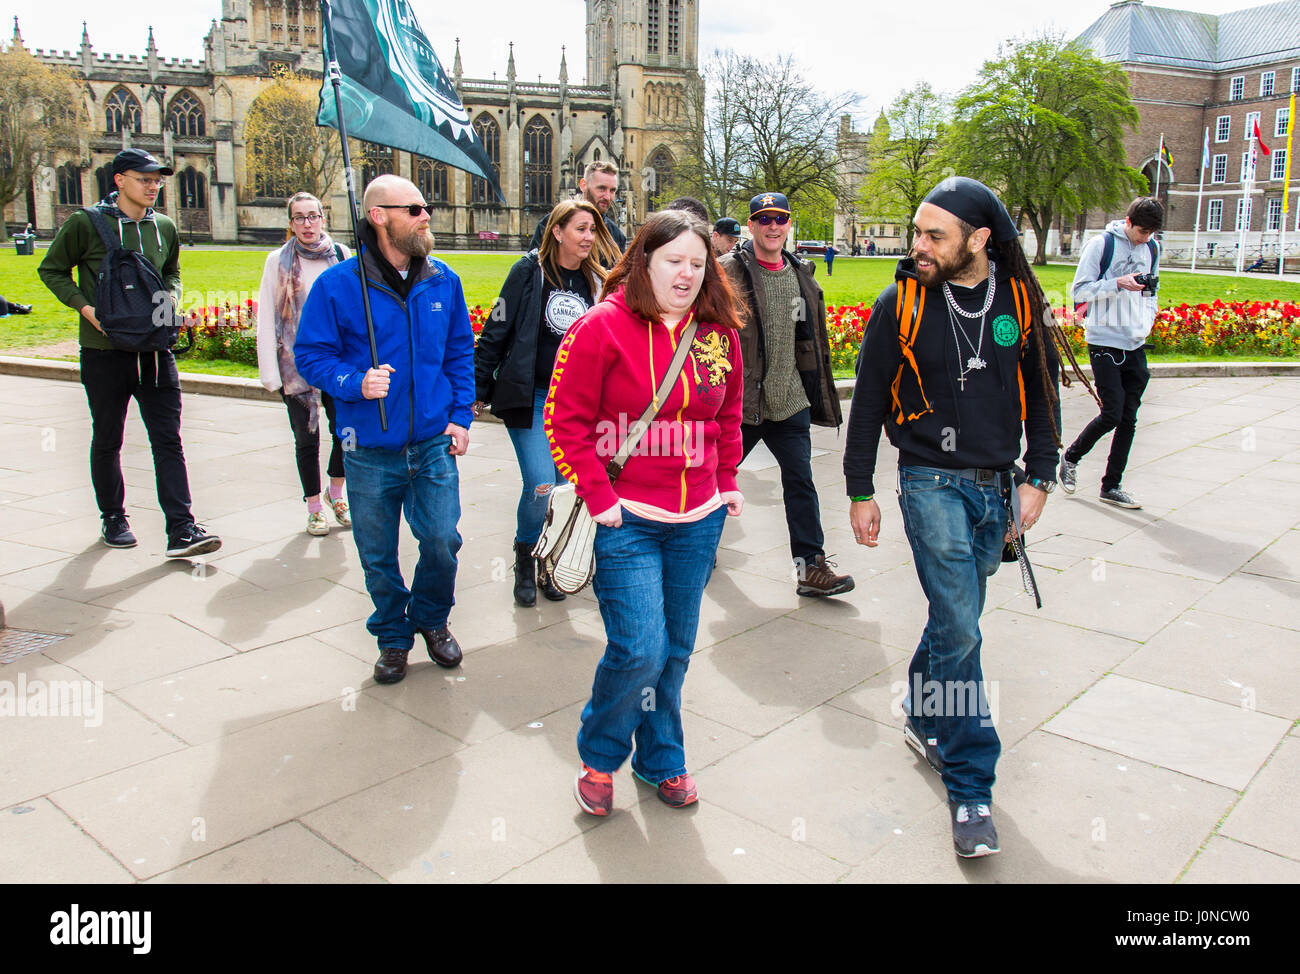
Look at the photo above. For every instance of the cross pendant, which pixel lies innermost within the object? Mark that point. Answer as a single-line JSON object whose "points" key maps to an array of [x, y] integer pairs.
{"points": [[962, 379]]}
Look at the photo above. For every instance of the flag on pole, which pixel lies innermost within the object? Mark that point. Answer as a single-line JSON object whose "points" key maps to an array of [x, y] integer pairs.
{"points": [[1165, 154], [1260, 139], [394, 90], [1205, 151], [1286, 177]]}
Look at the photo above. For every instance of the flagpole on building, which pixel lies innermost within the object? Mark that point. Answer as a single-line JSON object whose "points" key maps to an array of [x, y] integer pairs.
{"points": [[1286, 187], [1160, 162], [336, 79], [1196, 231], [1247, 188]]}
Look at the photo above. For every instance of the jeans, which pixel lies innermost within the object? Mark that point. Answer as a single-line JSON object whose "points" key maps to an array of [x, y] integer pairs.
{"points": [[538, 471], [790, 441], [955, 527], [1120, 378], [112, 379], [650, 577], [307, 444], [421, 480]]}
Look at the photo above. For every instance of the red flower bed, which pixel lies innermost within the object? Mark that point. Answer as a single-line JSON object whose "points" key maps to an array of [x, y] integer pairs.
{"points": [[1221, 328]]}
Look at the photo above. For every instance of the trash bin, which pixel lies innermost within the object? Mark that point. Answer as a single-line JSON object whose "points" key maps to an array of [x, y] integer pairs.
{"points": [[25, 244]]}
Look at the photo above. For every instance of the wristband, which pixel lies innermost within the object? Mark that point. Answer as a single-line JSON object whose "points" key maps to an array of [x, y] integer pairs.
{"points": [[862, 497]]}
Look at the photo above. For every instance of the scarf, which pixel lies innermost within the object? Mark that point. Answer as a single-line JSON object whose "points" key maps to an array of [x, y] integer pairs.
{"points": [[289, 298]]}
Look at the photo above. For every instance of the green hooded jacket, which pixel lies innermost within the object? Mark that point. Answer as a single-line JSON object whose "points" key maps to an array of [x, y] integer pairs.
{"points": [[77, 245]]}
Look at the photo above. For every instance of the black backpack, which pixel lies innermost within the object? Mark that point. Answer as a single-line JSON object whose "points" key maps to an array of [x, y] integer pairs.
{"points": [[132, 304]]}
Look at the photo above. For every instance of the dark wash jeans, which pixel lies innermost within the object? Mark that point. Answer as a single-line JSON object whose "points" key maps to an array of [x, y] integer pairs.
{"points": [[955, 528], [790, 441], [306, 444], [1120, 378], [112, 379], [423, 481], [650, 578]]}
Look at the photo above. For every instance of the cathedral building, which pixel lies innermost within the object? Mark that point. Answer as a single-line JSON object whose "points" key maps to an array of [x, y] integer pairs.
{"points": [[641, 64]]}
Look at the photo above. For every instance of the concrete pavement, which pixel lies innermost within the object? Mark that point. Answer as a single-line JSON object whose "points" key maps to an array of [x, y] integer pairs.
{"points": [[219, 723]]}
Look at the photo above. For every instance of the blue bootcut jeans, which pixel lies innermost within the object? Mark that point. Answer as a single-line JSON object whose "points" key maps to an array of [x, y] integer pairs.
{"points": [[423, 482], [956, 529], [650, 578], [537, 469]]}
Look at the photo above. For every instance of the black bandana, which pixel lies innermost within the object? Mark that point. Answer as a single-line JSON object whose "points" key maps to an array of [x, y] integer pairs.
{"points": [[972, 201]]}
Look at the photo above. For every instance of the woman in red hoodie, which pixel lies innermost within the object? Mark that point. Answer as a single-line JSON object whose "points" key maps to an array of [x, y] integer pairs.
{"points": [[659, 524]]}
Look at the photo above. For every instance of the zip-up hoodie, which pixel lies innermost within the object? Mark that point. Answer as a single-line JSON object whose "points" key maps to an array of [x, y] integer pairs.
{"points": [[77, 245], [606, 371], [425, 337], [1117, 319]]}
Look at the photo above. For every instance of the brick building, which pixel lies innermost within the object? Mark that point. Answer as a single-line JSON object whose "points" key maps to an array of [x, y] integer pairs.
{"points": [[641, 57], [1189, 72]]}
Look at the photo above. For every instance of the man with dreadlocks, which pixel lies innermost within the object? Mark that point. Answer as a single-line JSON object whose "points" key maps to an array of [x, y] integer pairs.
{"points": [[954, 363]]}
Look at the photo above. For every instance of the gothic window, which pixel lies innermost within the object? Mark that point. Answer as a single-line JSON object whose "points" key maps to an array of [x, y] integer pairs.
{"points": [[291, 15], [185, 116], [193, 189], [69, 180], [489, 132], [537, 163], [432, 182], [121, 111], [104, 184], [652, 28], [674, 26], [661, 166], [376, 160]]}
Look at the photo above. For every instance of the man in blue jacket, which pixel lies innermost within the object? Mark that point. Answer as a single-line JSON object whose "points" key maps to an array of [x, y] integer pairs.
{"points": [[426, 380]]}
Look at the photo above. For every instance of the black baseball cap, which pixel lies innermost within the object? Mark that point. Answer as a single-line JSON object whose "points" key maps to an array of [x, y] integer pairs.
{"points": [[769, 203], [137, 160], [727, 226]]}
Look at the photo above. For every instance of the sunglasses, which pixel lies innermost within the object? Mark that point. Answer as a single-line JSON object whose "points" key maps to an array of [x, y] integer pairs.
{"points": [[780, 219], [414, 209]]}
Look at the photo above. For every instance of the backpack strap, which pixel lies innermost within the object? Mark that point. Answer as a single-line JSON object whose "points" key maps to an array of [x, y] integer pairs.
{"points": [[1021, 295], [1107, 253], [100, 223], [909, 306], [1155, 254], [338, 253]]}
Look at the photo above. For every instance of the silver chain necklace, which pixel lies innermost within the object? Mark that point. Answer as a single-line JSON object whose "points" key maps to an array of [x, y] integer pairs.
{"points": [[976, 361], [988, 298]]}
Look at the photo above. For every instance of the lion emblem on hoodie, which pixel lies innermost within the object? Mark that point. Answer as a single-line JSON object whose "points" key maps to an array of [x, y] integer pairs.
{"points": [[712, 356]]}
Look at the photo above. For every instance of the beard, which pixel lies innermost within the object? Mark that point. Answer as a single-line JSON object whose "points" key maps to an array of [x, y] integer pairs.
{"points": [[418, 243], [946, 271]]}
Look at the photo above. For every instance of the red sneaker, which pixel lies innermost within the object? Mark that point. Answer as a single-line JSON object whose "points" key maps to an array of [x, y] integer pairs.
{"points": [[678, 792], [594, 791]]}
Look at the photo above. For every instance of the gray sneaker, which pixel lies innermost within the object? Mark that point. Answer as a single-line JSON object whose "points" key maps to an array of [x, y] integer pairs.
{"points": [[973, 834], [927, 747], [1067, 479], [1120, 499]]}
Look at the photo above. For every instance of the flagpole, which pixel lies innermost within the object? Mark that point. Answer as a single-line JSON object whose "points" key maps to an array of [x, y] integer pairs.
{"points": [[1160, 162], [1196, 231], [1247, 188], [336, 79], [1286, 187]]}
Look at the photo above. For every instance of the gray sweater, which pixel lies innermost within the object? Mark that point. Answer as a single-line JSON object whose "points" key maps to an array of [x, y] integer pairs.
{"points": [[1116, 318]]}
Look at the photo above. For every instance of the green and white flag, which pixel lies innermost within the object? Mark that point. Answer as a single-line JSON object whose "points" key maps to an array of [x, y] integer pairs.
{"points": [[395, 91]]}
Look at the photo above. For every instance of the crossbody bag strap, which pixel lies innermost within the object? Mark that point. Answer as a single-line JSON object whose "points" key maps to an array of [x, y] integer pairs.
{"points": [[100, 223], [642, 425]]}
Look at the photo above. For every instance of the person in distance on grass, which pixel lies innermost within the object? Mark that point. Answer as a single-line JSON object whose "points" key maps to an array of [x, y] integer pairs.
{"points": [[954, 366], [426, 379], [287, 278], [113, 377], [1121, 311]]}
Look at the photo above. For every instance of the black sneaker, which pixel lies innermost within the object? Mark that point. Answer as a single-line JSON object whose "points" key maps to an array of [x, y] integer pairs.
{"points": [[973, 834], [191, 540], [116, 532], [1120, 499], [925, 747], [1067, 476]]}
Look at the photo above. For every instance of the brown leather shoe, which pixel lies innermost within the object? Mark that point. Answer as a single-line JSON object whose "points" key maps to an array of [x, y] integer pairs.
{"points": [[442, 646], [816, 578], [391, 667]]}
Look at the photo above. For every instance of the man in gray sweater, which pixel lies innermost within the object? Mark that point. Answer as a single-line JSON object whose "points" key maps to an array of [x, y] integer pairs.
{"points": [[1120, 293]]}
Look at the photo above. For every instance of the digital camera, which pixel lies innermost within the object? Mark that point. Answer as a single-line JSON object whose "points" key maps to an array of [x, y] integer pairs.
{"points": [[1150, 282]]}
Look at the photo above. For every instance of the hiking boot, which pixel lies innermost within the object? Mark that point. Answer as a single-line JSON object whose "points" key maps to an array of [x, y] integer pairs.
{"points": [[191, 540], [116, 532], [316, 525], [816, 578], [525, 575], [594, 791], [1067, 477], [1120, 499], [925, 747], [973, 834], [442, 646], [548, 586], [339, 508], [391, 666], [677, 792]]}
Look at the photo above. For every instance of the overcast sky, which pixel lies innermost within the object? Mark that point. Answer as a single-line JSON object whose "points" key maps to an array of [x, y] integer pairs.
{"points": [[869, 48]]}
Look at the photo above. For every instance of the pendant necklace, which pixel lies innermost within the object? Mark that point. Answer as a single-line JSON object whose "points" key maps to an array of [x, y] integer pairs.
{"points": [[976, 361]]}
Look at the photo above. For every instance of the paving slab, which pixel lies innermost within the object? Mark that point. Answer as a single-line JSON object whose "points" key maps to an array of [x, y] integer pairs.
{"points": [[288, 854], [1266, 816], [39, 844], [1228, 861]]}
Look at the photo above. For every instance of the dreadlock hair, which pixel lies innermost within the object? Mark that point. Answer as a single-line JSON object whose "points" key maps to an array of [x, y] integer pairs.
{"points": [[1010, 255]]}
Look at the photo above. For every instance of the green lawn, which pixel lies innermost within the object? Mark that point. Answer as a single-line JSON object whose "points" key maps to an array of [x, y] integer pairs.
{"points": [[216, 276]]}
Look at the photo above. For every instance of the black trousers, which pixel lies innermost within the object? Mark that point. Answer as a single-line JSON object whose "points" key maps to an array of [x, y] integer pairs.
{"points": [[307, 444], [790, 441], [1120, 378], [112, 379]]}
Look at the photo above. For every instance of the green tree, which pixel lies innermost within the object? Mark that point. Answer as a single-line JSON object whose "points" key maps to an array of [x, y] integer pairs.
{"points": [[904, 156], [1044, 125], [42, 113], [287, 153]]}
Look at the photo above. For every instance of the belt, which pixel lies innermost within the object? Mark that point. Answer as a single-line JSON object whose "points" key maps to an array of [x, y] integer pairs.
{"points": [[981, 476]]}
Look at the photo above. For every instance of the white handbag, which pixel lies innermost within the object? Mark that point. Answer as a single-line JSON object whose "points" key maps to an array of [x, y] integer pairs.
{"points": [[566, 548]]}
